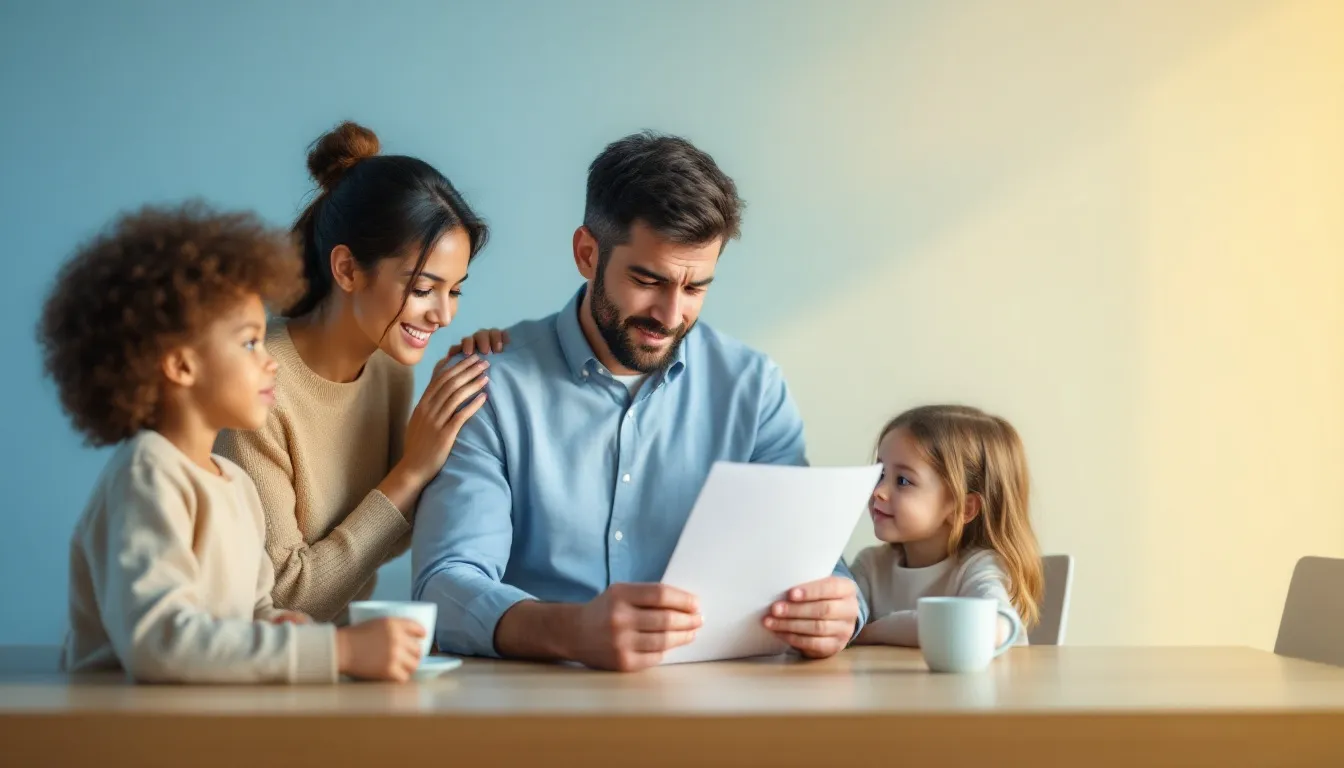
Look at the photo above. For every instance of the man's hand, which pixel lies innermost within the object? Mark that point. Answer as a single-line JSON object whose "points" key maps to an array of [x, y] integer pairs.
{"points": [[629, 626], [817, 618]]}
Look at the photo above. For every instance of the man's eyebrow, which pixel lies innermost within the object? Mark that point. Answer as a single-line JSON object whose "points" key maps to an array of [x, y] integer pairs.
{"points": [[650, 274]]}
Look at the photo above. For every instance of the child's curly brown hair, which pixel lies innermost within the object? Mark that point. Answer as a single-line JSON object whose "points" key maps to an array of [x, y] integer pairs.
{"points": [[153, 280]]}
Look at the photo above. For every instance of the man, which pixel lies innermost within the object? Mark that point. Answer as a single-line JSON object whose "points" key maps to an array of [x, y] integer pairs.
{"points": [[546, 532]]}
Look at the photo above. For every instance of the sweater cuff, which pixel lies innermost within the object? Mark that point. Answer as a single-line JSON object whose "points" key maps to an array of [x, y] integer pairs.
{"points": [[376, 525], [269, 614], [314, 659]]}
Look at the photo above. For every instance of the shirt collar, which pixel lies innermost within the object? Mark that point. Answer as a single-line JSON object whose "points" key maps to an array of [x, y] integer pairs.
{"points": [[579, 353]]}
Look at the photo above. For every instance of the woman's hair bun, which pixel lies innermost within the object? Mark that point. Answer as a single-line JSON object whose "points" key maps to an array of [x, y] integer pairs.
{"points": [[338, 150]]}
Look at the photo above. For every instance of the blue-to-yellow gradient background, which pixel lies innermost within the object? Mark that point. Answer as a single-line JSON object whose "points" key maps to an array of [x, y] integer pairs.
{"points": [[1121, 225]]}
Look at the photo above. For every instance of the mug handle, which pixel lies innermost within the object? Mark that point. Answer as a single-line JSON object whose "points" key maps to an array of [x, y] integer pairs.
{"points": [[1012, 640]]}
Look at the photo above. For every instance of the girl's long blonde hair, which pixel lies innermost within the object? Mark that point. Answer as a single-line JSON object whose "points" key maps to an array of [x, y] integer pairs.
{"points": [[976, 453]]}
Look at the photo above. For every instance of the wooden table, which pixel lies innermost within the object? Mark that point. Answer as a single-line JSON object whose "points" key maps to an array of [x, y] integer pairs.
{"points": [[869, 706]]}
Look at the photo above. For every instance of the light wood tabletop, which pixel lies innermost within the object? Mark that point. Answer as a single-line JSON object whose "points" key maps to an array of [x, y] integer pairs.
{"points": [[868, 706]]}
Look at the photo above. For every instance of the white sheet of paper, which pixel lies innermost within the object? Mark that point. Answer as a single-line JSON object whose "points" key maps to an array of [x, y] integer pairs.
{"points": [[756, 531]]}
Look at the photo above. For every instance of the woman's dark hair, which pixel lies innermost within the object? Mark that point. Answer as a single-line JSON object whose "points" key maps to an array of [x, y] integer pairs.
{"points": [[665, 182], [375, 205]]}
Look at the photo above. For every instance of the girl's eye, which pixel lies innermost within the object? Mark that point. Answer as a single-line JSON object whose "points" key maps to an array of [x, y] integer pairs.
{"points": [[251, 345], [903, 480], [455, 293], [421, 293]]}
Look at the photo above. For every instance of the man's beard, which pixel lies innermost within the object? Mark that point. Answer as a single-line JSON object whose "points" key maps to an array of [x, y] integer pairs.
{"points": [[619, 334]]}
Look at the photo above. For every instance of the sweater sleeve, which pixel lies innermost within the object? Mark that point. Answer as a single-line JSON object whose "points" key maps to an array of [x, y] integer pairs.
{"points": [[264, 609], [149, 603], [982, 577], [863, 571], [403, 393], [318, 578], [899, 628]]}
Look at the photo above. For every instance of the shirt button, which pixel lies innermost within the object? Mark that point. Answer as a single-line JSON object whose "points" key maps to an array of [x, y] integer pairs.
{"points": [[584, 374], [625, 478], [619, 536]]}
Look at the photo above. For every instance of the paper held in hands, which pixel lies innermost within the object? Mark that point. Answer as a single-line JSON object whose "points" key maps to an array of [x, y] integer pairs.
{"points": [[756, 531]]}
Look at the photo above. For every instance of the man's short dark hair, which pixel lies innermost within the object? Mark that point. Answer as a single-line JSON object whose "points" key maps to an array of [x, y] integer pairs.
{"points": [[677, 190]]}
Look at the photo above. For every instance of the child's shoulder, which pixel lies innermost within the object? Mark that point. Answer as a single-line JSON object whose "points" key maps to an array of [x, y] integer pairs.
{"points": [[980, 561], [235, 473], [152, 463], [142, 471], [148, 454]]}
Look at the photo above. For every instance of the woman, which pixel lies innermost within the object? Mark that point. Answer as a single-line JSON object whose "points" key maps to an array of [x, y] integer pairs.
{"points": [[338, 465]]}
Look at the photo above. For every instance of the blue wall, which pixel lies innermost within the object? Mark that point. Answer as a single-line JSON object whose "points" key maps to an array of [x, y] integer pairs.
{"points": [[1000, 203], [110, 105]]}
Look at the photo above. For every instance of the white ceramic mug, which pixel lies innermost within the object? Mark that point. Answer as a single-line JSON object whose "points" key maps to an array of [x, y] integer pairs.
{"points": [[424, 614], [957, 634]]}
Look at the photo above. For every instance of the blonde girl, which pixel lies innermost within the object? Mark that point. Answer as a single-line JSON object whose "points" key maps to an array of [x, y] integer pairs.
{"points": [[952, 511]]}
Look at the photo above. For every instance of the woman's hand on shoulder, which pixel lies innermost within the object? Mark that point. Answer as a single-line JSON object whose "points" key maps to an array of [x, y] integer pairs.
{"points": [[484, 342], [454, 394]]}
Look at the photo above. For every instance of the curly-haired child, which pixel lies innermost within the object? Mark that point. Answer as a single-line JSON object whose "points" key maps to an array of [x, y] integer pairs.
{"points": [[153, 334]]}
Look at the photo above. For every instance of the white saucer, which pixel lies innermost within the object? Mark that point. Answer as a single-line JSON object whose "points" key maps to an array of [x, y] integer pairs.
{"points": [[433, 666]]}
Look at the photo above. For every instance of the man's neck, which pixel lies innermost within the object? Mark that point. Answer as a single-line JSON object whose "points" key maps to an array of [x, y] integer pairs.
{"points": [[594, 336]]}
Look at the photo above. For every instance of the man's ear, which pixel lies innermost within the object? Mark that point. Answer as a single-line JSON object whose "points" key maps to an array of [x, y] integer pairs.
{"points": [[586, 253], [180, 366]]}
